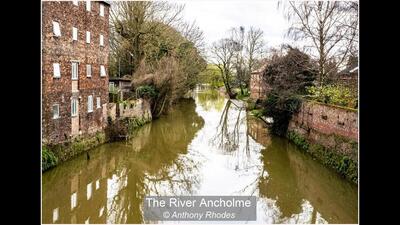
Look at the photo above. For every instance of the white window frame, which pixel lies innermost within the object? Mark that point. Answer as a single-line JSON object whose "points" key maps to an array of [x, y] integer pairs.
{"points": [[56, 29], [75, 2], [74, 70], [98, 102], [74, 107], [88, 37], [56, 70], [102, 71], [88, 70], [101, 40], [90, 103], [55, 116], [101, 10], [74, 33], [88, 5]]}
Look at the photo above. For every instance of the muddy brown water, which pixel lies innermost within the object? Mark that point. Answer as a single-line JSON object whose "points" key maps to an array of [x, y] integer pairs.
{"points": [[205, 146]]}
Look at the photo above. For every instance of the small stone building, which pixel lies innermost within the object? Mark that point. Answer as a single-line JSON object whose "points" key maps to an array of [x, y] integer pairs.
{"points": [[75, 53]]}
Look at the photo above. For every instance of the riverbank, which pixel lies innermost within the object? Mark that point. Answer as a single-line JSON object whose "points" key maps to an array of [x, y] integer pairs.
{"points": [[121, 122], [206, 145], [328, 133]]}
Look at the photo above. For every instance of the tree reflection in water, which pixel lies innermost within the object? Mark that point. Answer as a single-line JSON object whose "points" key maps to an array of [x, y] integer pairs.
{"points": [[198, 149]]}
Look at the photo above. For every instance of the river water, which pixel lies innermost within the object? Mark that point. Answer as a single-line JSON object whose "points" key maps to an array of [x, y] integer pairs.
{"points": [[206, 145]]}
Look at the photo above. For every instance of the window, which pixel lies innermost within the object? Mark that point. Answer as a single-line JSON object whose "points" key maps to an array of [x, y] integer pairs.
{"points": [[75, 2], [56, 111], [56, 29], [111, 86], [101, 40], [74, 107], [74, 71], [90, 103], [74, 34], [102, 71], [88, 37], [101, 10], [88, 5], [98, 102], [74, 200], [88, 70], [56, 70]]}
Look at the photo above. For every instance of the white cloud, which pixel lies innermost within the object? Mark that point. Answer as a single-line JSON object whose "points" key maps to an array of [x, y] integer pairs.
{"points": [[215, 18]]}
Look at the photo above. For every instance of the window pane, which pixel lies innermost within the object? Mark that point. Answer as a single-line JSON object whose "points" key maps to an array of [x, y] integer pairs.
{"points": [[74, 33], [56, 111], [102, 71], [101, 10], [87, 37], [56, 29], [90, 103], [88, 5], [88, 70], [74, 107], [56, 70], [74, 71]]}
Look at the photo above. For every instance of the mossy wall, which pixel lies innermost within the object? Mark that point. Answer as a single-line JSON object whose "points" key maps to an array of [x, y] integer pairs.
{"points": [[329, 134], [337, 157], [67, 150]]}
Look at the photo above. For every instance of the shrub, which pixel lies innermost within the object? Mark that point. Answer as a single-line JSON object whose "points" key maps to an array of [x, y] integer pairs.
{"points": [[49, 160], [147, 91], [298, 140], [333, 94]]}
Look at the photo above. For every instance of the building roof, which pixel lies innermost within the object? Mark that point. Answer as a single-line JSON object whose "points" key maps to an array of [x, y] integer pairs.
{"points": [[107, 2]]}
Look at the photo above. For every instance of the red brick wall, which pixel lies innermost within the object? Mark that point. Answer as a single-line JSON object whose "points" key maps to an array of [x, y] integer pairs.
{"points": [[258, 89], [62, 50], [328, 119], [322, 124]]}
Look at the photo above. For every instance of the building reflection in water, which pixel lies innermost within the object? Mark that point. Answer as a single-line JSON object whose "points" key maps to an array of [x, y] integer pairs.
{"points": [[111, 186], [208, 148]]}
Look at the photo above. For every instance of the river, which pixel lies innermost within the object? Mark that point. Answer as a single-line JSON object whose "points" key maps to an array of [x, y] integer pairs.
{"points": [[207, 145]]}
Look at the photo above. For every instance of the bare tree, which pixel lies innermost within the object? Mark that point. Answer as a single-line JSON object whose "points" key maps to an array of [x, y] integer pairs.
{"points": [[254, 47], [223, 52], [193, 33], [331, 27], [237, 56], [133, 22]]}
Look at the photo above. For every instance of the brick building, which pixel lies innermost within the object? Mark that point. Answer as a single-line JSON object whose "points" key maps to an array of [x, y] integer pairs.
{"points": [[258, 88], [75, 52]]}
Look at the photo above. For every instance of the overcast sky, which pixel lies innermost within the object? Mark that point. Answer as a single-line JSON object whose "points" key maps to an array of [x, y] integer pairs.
{"points": [[216, 17]]}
